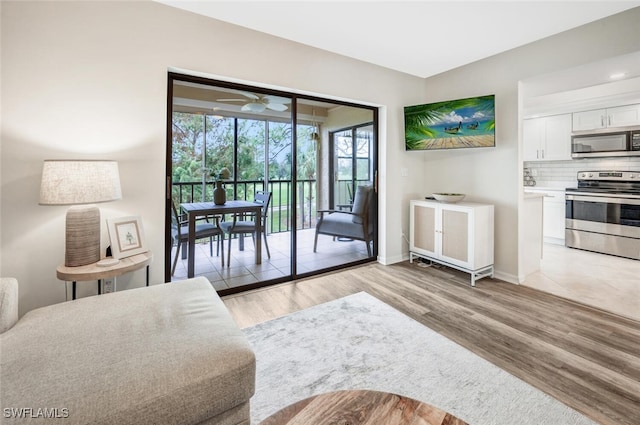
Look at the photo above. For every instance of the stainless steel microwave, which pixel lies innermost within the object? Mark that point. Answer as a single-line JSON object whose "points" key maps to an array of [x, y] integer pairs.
{"points": [[619, 143]]}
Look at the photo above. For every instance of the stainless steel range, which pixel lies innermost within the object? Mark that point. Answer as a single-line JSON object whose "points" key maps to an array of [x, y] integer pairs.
{"points": [[603, 213]]}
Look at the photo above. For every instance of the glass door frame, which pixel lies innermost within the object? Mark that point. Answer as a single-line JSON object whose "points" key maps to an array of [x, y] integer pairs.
{"points": [[173, 77], [354, 158]]}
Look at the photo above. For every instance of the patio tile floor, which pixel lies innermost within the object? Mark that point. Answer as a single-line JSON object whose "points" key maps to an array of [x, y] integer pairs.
{"points": [[243, 270]]}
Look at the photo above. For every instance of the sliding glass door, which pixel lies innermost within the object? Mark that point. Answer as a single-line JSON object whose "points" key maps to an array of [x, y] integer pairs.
{"points": [[343, 145], [271, 142]]}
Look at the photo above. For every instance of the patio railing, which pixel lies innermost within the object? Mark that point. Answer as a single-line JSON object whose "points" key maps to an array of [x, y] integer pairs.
{"points": [[280, 210]]}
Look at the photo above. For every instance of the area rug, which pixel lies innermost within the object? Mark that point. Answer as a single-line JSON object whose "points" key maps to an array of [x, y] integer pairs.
{"points": [[359, 342]]}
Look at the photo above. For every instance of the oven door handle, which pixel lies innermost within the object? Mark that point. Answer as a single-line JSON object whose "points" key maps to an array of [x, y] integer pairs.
{"points": [[603, 199]]}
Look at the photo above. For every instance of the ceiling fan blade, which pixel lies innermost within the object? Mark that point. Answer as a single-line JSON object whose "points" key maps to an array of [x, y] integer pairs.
{"points": [[231, 100], [253, 107], [277, 107], [276, 99], [249, 95]]}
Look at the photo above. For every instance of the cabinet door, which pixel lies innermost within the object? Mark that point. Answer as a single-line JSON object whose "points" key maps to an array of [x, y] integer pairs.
{"points": [[589, 120], [423, 229], [531, 139], [554, 220], [455, 238], [623, 116], [557, 138]]}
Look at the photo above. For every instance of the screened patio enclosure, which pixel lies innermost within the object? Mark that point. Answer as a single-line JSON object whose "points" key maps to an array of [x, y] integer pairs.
{"points": [[309, 153]]}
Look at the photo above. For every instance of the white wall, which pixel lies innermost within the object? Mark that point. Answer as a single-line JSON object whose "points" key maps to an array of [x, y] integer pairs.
{"points": [[89, 80], [494, 175]]}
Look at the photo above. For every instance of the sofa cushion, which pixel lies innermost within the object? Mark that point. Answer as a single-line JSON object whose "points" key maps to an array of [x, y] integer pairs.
{"points": [[8, 303], [341, 224], [167, 354]]}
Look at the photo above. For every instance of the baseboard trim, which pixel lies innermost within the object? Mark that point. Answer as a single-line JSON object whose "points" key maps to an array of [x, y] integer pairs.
{"points": [[387, 261], [507, 277]]}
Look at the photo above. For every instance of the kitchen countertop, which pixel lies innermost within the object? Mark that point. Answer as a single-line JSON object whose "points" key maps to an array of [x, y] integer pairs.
{"points": [[542, 188], [533, 195], [552, 185], [555, 188]]}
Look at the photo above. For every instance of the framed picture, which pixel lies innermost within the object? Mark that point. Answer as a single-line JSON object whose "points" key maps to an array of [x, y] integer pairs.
{"points": [[126, 236], [452, 124]]}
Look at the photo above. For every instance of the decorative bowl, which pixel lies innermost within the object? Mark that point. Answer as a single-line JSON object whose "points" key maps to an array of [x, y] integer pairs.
{"points": [[449, 197]]}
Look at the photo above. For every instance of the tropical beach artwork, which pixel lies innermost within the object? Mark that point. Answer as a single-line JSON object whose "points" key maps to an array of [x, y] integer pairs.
{"points": [[452, 124]]}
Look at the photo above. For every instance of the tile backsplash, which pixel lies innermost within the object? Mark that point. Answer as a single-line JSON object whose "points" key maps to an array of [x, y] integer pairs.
{"points": [[564, 173]]}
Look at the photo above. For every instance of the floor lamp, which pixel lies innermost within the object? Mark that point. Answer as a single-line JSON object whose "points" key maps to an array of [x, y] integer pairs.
{"points": [[77, 183]]}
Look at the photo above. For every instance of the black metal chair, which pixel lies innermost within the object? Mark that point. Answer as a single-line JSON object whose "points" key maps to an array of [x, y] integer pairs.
{"points": [[241, 226], [204, 229]]}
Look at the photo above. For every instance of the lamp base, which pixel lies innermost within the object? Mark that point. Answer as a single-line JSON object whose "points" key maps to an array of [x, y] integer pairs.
{"points": [[82, 236], [108, 262]]}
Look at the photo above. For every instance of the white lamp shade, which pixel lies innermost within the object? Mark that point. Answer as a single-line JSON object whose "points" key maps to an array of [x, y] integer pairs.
{"points": [[73, 182]]}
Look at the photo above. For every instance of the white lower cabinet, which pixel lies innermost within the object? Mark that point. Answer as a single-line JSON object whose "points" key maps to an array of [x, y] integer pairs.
{"points": [[553, 227], [458, 235]]}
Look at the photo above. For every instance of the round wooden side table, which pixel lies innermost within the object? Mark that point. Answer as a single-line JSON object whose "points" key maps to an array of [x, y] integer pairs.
{"points": [[361, 407]]}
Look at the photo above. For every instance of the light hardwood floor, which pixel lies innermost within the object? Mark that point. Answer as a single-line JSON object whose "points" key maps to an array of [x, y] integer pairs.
{"points": [[585, 357]]}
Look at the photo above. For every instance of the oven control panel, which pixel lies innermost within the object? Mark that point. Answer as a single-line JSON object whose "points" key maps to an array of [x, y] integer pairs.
{"points": [[609, 175]]}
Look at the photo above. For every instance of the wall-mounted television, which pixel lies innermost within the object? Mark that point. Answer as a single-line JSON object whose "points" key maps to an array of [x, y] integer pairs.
{"points": [[452, 124]]}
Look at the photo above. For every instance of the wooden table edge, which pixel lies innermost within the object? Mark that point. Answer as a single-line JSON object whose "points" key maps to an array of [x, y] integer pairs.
{"points": [[95, 272]]}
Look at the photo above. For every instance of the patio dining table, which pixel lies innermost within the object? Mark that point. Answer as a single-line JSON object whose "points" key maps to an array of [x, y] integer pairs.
{"points": [[201, 209]]}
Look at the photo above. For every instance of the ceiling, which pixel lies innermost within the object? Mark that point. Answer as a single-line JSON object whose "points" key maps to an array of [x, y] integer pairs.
{"points": [[421, 38]]}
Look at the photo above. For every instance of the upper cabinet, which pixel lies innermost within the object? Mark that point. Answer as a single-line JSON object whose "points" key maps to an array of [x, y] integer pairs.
{"points": [[620, 116], [624, 116], [547, 138]]}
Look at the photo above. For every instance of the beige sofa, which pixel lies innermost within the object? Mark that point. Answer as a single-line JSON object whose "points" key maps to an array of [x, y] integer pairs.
{"points": [[164, 354]]}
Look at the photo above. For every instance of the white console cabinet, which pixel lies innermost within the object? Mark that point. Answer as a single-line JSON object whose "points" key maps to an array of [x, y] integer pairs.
{"points": [[458, 235]]}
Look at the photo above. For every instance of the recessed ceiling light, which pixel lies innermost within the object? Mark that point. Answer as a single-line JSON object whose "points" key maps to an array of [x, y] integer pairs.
{"points": [[617, 75]]}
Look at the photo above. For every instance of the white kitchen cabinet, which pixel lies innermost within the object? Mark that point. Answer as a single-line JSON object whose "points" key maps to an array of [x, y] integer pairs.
{"points": [[457, 235], [553, 213], [531, 245], [547, 138], [620, 116], [589, 120], [624, 116]]}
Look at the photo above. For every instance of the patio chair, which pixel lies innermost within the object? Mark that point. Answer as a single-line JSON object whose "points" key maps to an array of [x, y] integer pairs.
{"points": [[355, 224], [204, 229], [244, 226]]}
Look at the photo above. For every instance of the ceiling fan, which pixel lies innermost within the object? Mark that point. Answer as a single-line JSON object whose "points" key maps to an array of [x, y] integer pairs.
{"points": [[257, 103]]}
